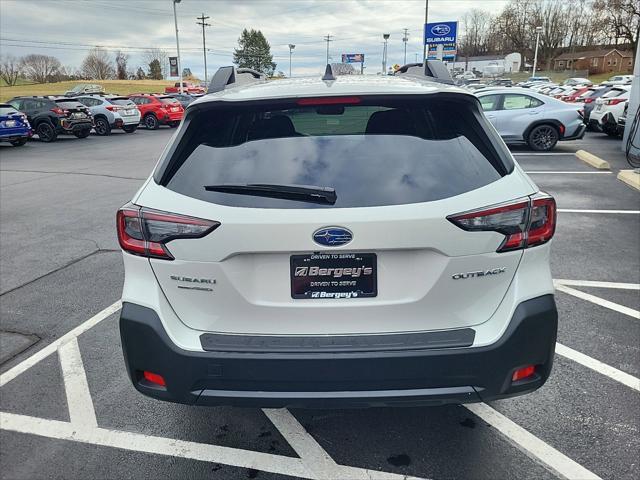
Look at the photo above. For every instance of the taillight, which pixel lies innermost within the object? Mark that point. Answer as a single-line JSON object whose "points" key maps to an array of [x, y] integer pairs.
{"points": [[58, 111], [524, 223], [112, 108], [615, 101], [146, 232], [589, 100]]}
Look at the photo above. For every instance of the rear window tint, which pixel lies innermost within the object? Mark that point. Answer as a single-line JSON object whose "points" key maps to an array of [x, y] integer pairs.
{"points": [[69, 104], [373, 154], [613, 93], [168, 100], [5, 109], [121, 101]]}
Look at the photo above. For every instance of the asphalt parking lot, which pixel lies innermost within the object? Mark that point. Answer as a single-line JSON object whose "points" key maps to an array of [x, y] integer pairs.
{"points": [[68, 409]]}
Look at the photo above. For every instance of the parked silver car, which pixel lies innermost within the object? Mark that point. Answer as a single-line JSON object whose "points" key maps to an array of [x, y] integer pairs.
{"points": [[110, 111], [524, 116]]}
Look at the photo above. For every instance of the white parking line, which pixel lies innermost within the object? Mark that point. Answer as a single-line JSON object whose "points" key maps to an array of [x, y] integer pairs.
{"points": [[541, 154], [616, 307], [53, 346], [591, 283], [598, 366], [567, 172], [577, 210], [157, 445], [81, 412], [532, 446]]}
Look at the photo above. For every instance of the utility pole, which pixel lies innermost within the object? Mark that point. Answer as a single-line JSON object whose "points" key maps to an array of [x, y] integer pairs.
{"points": [[405, 39], [328, 39], [535, 56], [175, 19], [426, 20], [202, 18], [291, 47]]}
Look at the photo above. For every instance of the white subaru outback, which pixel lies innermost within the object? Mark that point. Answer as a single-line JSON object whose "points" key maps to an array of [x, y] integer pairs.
{"points": [[337, 242]]}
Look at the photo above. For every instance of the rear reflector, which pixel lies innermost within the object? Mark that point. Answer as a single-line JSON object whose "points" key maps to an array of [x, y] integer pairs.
{"points": [[523, 373], [145, 232], [524, 222], [154, 378], [329, 101]]}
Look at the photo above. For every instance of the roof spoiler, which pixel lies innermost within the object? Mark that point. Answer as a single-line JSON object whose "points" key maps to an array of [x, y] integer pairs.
{"points": [[231, 77], [434, 70]]}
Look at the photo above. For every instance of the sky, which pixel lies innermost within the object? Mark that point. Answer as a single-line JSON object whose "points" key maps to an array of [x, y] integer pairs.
{"points": [[67, 29]]}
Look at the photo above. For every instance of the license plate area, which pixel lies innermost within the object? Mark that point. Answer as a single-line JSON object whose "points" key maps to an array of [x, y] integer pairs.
{"points": [[334, 275]]}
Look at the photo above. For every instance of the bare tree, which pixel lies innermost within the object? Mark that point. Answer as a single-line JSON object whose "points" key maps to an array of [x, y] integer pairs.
{"points": [[622, 17], [10, 69], [476, 33], [121, 65], [97, 65], [40, 68], [157, 54], [554, 18]]}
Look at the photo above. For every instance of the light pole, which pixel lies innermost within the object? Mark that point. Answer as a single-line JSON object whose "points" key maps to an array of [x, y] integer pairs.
{"points": [[535, 56], [384, 53], [291, 47], [424, 38], [204, 42], [175, 19]]}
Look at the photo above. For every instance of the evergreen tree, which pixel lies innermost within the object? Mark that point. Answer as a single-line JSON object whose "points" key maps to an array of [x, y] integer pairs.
{"points": [[155, 70], [254, 52]]}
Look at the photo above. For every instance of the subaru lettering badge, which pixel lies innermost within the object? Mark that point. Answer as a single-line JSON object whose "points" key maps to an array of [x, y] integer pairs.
{"points": [[332, 236], [440, 30]]}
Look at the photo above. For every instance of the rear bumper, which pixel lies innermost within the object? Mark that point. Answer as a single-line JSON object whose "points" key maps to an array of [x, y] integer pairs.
{"points": [[72, 126], [321, 379], [577, 134]]}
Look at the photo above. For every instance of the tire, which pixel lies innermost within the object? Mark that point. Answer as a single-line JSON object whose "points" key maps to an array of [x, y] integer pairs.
{"points": [[130, 128], [102, 127], [151, 122], [543, 137], [84, 133], [18, 143], [46, 132]]}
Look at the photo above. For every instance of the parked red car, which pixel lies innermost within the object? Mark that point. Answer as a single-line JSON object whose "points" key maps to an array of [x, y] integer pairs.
{"points": [[187, 87], [156, 110], [574, 95]]}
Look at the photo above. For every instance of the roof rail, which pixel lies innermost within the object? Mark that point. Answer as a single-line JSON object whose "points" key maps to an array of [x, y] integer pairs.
{"points": [[231, 77], [434, 70]]}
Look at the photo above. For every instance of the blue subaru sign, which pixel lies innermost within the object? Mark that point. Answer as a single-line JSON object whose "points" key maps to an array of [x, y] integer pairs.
{"points": [[440, 33], [332, 236], [352, 57]]}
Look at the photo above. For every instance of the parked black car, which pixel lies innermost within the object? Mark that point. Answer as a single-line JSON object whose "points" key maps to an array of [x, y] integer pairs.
{"points": [[52, 116], [184, 98], [501, 82]]}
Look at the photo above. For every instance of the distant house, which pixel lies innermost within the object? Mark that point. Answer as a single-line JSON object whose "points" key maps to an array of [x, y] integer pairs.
{"points": [[488, 63], [596, 61]]}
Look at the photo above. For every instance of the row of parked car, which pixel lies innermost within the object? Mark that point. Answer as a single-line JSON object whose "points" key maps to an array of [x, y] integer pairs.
{"points": [[50, 116]]}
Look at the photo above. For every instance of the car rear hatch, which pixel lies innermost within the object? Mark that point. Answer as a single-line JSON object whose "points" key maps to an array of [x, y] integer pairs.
{"points": [[124, 106], [333, 220], [73, 111]]}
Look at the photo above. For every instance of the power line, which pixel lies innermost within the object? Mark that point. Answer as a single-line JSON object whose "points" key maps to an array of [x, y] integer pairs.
{"points": [[204, 42]]}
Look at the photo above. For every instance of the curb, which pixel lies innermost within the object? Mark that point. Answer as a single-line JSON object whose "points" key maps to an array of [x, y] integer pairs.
{"points": [[630, 177], [591, 159]]}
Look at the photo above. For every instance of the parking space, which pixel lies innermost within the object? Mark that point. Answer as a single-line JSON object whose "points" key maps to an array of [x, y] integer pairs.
{"points": [[64, 392]]}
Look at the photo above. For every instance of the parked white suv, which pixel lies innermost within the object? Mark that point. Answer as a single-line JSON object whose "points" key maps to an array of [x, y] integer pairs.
{"points": [[359, 241], [608, 107]]}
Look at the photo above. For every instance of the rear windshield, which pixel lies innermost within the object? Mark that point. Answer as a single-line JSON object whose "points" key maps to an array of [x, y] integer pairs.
{"points": [[372, 154], [67, 104], [168, 100], [613, 93], [121, 101], [4, 109]]}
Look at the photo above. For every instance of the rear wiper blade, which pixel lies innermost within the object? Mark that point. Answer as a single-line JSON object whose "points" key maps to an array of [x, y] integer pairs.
{"points": [[302, 193]]}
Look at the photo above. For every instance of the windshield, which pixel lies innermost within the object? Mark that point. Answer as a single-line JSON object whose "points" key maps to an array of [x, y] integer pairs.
{"points": [[371, 154]]}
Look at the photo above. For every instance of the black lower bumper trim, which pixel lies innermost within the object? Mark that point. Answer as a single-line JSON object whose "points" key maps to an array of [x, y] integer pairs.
{"points": [[427, 376]]}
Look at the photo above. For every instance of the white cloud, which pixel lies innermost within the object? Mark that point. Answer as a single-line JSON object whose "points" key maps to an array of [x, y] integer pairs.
{"points": [[357, 27]]}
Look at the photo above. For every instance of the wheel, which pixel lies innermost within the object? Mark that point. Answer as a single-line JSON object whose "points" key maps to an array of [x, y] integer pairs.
{"points": [[18, 143], [130, 128], [543, 137], [84, 133], [174, 124], [46, 132], [151, 122], [102, 126]]}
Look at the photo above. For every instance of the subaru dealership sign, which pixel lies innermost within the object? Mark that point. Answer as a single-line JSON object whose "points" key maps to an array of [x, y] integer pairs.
{"points": [[352, 57], [440, 33]]}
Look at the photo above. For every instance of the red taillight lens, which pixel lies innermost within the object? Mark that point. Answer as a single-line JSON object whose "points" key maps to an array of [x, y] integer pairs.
{"points": [[589, 100], [329, 101], [523, 373], [615, 101], [58, 111], [112, 108], [145, 232], [154, 378], [524, 223]]}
